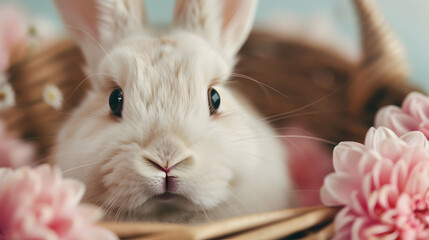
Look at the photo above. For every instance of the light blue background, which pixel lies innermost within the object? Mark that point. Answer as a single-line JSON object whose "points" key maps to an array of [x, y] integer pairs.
{"points": [[409, 18]]}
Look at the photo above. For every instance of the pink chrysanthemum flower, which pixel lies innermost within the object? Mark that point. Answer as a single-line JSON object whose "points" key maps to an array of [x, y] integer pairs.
{"points": [[14, 153], [412, 116], [38, 204], [383, 186]]}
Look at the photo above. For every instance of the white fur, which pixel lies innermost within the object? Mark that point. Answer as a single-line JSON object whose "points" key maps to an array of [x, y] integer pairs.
{"points": [[234, 164]]}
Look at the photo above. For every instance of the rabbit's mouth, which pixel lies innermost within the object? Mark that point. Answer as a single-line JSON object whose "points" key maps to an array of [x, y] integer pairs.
{"points": [[167, 196], [166, 199]]}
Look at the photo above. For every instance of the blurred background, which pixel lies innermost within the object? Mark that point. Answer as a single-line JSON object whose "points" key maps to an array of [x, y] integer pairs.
{"points": [[328, 21]]}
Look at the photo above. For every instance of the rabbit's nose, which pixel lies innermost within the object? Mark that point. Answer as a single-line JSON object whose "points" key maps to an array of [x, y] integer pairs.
{"points": [[166, 165], [167, 153]]}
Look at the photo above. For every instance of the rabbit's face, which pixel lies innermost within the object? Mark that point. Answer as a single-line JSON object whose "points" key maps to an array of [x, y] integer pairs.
{"points": [[160, 134], [171, 146]]}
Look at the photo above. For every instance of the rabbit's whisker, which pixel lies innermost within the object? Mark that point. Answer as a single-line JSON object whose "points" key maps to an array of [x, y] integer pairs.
{"points": [[93, 39], [82, 82], [286, 136], [303, 114], [307, 105], [245, 77]]}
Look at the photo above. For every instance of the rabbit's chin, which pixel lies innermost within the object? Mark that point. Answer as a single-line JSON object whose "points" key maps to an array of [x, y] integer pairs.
{"points": [[166, 207], [160, 208], [176, 209]]}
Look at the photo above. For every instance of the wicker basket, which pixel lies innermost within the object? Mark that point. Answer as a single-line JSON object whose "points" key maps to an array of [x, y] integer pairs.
{"points": [[321, 87], [32, 119]]}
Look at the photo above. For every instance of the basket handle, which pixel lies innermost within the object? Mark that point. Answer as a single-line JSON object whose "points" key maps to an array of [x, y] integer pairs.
{"points": [[383, 72]]}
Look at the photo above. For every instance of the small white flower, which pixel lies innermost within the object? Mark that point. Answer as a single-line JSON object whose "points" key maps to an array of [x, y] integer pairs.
{"points": [[53, 96], [40, 32], [7, 96]]}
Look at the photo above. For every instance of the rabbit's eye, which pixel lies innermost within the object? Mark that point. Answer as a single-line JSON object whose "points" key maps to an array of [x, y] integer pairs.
{"points": [[214, 101], [116, 101]]}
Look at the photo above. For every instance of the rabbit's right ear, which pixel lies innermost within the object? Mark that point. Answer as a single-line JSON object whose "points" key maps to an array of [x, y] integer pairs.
{"points": [[225, 24], [96, 25]]}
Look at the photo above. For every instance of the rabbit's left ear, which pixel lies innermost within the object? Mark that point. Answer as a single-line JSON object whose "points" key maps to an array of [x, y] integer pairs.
{"points": [[225, 24], [96, 25]]}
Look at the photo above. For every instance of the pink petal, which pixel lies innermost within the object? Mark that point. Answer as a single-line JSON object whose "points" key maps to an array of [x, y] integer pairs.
{"points": [[372, 202], [417, 105], [377, 230], [326, 198], [375, 136], [366, 186], [344, 217], [344, 234], [399, 175], [387, 196], [90, 212], [391, 148], [354, 145], [418, 182], [415, 138], [408, 233], [357, 204], [403, 204], [389, 217], [367, 162], [392, 236], [381, 173], [369, 138], [402, 123], [75, 193], [382, 118], [424, 128], [395, 119], [337, 189], [358, 228], [346, 157]]}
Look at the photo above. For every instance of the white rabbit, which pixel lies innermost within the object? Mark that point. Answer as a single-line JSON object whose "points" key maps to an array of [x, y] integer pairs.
{"points": [[160, 137]]}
